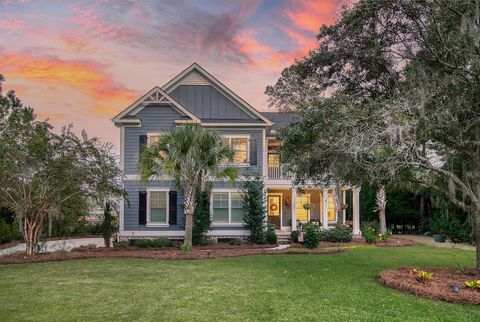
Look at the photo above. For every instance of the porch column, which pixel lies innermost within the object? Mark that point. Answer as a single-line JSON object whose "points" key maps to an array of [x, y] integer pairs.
{"points": [[325, 209], [356, 211], [294, 208], [344, 200], [265, 205]]}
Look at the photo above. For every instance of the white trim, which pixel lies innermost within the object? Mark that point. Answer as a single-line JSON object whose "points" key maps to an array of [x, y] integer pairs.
{"points": [[151, 233], [325, 208], [166, 224], [229, 191], [159, 97], [172, 84], [179, 233], [121, 215], [281, 206], [265, 154]]}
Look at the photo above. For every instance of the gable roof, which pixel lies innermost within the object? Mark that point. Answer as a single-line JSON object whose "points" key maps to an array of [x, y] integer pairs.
{"points": [[199, 73], [154, 96], [279, 119]]}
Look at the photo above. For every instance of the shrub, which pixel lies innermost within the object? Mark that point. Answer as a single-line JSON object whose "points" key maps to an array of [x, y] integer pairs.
{"points": [[123, 244], [312, 235], [385, 236], [458, 232], [161, 242], [236, 241], [271, 237], [201, 218], [254, 206], [370, 235], [107, 227], [153, 243], [8, 232], [294, 236], [339, 234], [423, 277], [473, 284], [439, 225], [185, 248]]}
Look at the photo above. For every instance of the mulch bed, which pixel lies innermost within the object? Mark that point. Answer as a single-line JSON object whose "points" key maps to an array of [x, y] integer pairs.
{"points": [[168, 253], [439, 287], [393, 242]]}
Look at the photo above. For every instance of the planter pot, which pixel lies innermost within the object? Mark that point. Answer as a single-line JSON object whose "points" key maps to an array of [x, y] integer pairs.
{"points": [[439, 238]]}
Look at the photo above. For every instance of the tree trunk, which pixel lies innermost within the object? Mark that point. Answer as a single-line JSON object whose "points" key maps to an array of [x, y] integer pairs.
{"points": [[32, 230], [421, 224], [190, 204], [50, 223], [476, 214], [381, 200], [338, 189]]}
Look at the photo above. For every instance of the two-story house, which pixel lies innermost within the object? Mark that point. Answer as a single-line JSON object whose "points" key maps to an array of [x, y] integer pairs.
{"points": [[195, 96]]}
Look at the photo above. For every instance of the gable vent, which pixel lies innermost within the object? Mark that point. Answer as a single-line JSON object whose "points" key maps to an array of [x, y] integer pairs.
{"points": [[194, 79]]}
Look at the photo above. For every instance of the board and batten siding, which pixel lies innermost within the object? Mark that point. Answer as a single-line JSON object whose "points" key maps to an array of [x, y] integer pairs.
{"points": [[154, 118], [206, 102]]}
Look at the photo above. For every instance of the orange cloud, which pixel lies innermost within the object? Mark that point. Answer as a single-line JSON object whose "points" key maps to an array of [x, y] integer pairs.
{"points": [[88, 77], [263, 56], [310, 15]]}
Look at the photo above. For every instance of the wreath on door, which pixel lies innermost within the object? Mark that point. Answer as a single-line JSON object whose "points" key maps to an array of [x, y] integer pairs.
{"points": [[273, 207]]}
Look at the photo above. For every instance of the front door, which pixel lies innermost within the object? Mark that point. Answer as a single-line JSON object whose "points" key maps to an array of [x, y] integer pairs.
{"points": [[275, 210]]}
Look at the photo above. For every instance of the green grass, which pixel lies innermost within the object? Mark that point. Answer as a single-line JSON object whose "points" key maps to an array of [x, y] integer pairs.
{"points": [[284, 287]]}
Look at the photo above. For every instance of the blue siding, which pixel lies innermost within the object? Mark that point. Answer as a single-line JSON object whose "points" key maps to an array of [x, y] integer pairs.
{"points": [[206, 102], [154, 118]]}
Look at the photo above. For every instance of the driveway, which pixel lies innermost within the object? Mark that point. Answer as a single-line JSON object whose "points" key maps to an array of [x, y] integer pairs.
{"points": [[429, 241], [54, 245]]}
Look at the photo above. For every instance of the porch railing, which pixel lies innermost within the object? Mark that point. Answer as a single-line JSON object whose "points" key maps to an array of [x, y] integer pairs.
{"points": [[276, 172]]}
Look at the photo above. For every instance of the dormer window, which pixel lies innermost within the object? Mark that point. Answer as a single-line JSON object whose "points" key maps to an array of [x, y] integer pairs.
{"points": [[240, 147]]}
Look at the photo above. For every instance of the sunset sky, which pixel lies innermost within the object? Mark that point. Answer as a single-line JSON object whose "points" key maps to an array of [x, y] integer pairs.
{"points": [[82, 62]]}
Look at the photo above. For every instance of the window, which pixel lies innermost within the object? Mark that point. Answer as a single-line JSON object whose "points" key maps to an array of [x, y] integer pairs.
{"points": [[220, 207], [301, 200], [158, 207], [240, 148], [332, 216], [273, 159], [154, 137], [227, 207]]}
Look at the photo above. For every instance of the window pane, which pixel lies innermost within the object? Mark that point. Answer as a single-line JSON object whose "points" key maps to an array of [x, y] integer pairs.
{"points": [[332, 216], [302, 213], [273, 159], [158, 206], [220, 200], [220, 215], [239, 146], [158, 215], [154, 138], [237, 215], [237, 200]]}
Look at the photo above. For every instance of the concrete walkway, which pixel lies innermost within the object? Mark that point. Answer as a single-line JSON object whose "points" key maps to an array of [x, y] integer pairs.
{"points": [[54, 245], [428, 240]]}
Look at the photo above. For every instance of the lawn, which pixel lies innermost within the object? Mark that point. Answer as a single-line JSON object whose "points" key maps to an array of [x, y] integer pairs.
{"points": [[284, 287]]}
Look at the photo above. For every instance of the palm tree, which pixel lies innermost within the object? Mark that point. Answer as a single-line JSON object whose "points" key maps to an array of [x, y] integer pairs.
{"points": [[188, 155]]}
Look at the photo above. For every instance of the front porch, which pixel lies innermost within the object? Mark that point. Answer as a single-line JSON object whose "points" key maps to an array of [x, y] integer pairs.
{"points": [[288, 207]]}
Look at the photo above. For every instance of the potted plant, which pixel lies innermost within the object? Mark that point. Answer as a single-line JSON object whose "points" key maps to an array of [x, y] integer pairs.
{"points": [[439, 227]]}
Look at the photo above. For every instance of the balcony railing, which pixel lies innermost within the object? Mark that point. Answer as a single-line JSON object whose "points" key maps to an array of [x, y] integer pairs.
{"points": [[276, 172]]}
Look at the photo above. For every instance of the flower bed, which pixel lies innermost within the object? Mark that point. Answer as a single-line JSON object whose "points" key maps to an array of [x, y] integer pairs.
{"points": [[439, 286], [392, 242], [168, 253]]}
